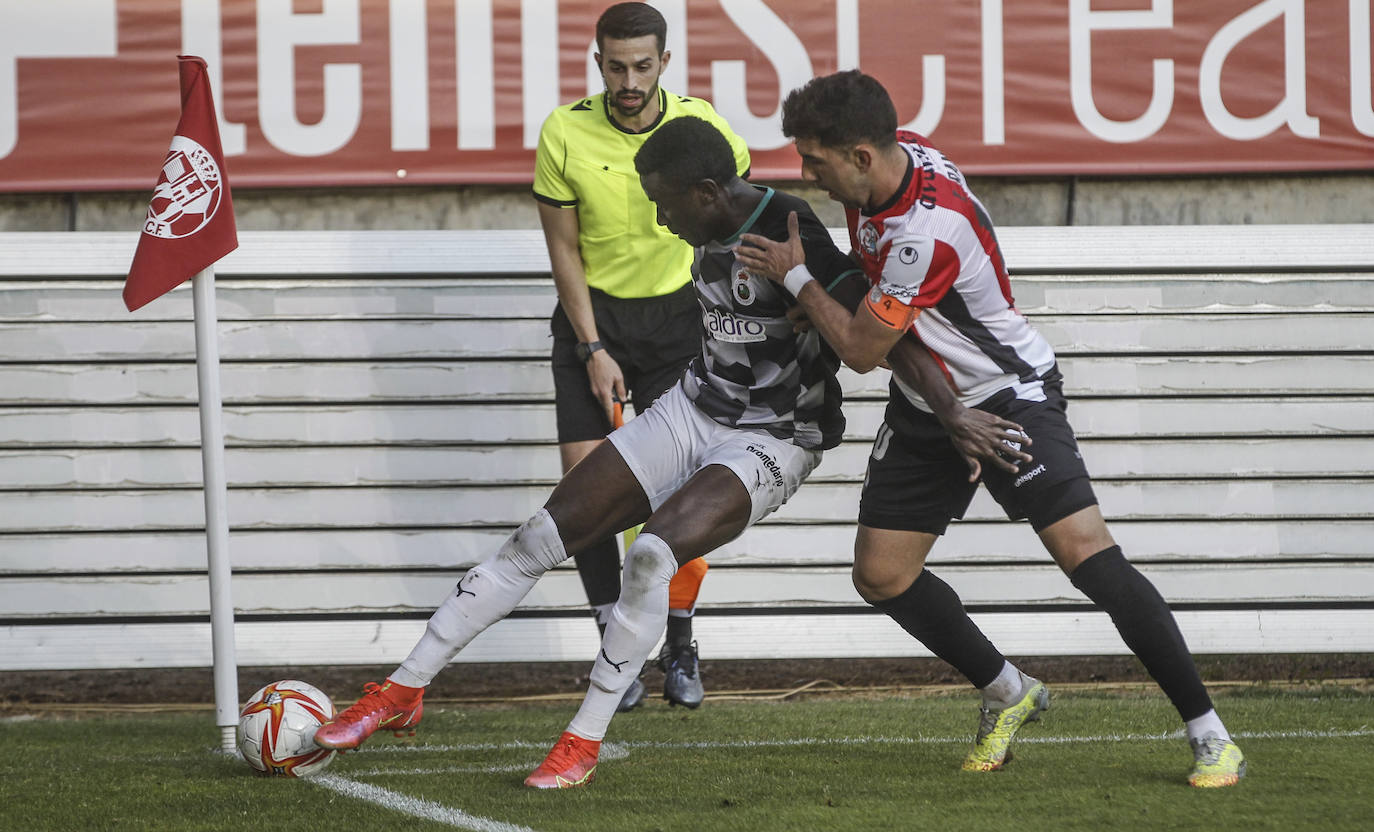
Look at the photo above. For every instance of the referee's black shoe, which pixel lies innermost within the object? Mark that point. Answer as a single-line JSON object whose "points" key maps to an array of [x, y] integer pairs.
{"points": [[681, 678], [634, 696]]}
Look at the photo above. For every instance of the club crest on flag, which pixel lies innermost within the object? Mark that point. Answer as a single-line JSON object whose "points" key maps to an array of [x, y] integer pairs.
{"points": [[190, 219], [188, 191]]}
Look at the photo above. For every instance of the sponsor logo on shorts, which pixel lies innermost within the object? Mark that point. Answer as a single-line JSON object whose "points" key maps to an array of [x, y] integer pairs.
{"points": [[1029, 475], [768, 462], [732, 329]]}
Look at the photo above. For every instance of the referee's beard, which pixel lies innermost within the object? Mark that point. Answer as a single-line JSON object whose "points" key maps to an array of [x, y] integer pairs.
{"points": [[644, 100]]}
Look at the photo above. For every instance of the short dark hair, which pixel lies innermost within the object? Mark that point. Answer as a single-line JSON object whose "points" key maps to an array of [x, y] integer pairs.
{"points": [[631, 20], [684, 151], [841, 110]]}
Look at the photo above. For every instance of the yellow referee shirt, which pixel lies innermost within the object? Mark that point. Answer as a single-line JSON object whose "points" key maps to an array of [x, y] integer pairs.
{"points": [[586, 159]]}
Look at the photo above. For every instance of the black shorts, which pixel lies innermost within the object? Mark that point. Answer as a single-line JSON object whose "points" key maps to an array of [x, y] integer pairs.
{"points": [[917, 481], [652, 339]]}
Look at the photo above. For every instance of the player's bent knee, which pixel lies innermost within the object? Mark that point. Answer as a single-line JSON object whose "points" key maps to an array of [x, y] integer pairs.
{"points": [[649, 567], [875, 584], [536, 546]]}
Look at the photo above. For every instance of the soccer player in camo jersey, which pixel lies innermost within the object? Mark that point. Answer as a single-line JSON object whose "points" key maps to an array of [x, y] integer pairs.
{"points": [[930, 253], [725, 447]]}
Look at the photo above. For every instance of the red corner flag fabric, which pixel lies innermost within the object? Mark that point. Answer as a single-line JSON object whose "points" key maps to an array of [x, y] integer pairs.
{"points": [[190, 220]]}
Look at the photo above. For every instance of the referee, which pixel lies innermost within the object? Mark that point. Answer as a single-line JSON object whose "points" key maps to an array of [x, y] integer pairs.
{"points": [[627, 321]]}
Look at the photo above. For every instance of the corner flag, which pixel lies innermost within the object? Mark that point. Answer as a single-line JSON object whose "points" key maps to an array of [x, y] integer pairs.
{"points": [[190, 225], [190, 222]]}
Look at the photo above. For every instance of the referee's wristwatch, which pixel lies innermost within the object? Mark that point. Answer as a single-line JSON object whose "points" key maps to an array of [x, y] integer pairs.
{"points": [[584, 351]]}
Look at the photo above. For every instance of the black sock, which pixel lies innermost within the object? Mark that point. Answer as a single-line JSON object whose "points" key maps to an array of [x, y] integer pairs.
{"points": [[599, 568], [679, 631], [1147, 625], [932, 612]]}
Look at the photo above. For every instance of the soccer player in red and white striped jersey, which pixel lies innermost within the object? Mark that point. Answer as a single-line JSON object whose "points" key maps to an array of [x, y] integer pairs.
{"points": [[936, 274]]}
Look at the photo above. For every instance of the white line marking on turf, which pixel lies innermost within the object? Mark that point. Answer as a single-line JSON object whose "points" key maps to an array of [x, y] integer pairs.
{"points": [[519, 745], [609, 751], [413, 806]]}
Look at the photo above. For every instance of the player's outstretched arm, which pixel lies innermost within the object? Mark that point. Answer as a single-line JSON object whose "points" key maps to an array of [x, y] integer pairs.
{"points": [[976, 434]]}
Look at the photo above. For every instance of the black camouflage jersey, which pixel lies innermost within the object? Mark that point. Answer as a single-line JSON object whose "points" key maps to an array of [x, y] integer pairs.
{"points": [[754, 372]]}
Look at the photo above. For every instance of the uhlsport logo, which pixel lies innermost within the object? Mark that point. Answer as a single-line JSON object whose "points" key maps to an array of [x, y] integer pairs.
{"points": [[188, 191], [732, 329]]}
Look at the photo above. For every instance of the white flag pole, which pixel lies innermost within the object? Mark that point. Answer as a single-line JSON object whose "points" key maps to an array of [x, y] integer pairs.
{"points": [[216, 509]]}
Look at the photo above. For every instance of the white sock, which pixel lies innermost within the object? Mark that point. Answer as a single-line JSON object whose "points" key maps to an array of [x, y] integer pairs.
{"points": [[603, 614], [1208, 723], [487, 593], [1006, 689], [635, 626]]}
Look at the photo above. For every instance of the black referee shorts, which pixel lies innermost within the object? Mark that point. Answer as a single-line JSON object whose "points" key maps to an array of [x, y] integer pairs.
{"points": [[917, 481], [652, 339]]}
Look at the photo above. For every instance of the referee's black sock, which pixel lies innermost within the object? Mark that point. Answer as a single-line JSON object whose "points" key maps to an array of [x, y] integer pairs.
{"points": [[679, 634], [931, 611], [1147, 625], [599, 568]]}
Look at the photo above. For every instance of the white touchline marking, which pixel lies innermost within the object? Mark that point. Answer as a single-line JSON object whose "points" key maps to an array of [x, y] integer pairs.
{"points": [[386, 772], [518, 745], [413, 806], [621, 750], [609, 751]]}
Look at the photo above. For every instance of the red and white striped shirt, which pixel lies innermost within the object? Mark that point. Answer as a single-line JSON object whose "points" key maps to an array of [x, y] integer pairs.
{"points": [[931, 253]]}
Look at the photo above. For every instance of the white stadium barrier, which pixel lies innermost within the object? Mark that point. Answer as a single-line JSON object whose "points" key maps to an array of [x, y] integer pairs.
{"points": [[388, 419]]}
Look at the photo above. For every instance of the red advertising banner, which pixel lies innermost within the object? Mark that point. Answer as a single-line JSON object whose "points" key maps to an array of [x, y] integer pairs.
{"points": [[372, 92]]}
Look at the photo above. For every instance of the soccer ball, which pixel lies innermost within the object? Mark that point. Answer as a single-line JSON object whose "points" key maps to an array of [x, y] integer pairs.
{"points": [[277, 729]]}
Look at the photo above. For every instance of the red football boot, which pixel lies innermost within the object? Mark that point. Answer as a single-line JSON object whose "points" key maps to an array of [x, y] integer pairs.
{"points": [[390, 705]]}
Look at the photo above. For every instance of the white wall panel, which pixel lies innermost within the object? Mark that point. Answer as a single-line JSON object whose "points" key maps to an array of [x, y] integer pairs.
{"points": [[389, 420], [727, 637], [761, 588], [457, 547], [324, 465]]}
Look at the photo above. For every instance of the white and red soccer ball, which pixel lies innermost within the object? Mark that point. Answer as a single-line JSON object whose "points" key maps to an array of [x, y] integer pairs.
{"points": [[277, 729]]}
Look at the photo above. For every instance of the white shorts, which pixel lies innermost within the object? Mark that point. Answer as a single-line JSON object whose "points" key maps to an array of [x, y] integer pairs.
{"points": [[668, 443]]}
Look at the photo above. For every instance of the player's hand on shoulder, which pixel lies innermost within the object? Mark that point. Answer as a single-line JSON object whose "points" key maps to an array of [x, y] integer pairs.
{"points": [[771, 258]]}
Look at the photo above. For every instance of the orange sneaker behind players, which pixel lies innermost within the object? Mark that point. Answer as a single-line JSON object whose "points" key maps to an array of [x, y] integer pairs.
{"points": [[572, 762], [390, 705]]}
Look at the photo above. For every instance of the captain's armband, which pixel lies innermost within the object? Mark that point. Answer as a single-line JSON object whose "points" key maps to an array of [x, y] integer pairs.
{"points": [[889, 311]]}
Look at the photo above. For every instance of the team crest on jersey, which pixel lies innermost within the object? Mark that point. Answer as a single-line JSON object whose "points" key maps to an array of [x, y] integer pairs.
{"points": [[868, 239], [742, 286], [188, 192]]}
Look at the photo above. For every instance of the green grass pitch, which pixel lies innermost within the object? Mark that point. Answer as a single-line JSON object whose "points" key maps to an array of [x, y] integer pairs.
{"points": [[1098, 761]]}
